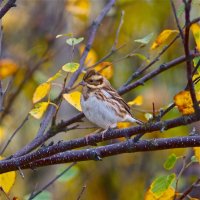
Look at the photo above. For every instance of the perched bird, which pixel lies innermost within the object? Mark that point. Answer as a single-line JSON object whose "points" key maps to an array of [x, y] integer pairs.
{"points": [[101, 103]]}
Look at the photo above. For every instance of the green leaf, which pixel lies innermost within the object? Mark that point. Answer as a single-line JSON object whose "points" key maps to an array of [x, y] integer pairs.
{"points": [[74, 41], [148, 116], [146, 39], [45, 195], [68, 175], [70, 67], [196, 60], [180, 10], [194, 159], [161, 184], [170, 162], [141, 56]]}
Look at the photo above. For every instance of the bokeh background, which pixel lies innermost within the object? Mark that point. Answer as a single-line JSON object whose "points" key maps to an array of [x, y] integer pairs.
{"points": [[29, 39]]}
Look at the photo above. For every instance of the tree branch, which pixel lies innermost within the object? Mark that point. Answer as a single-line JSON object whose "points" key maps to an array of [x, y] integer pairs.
{"points": [[7, 7], [98, 153]]}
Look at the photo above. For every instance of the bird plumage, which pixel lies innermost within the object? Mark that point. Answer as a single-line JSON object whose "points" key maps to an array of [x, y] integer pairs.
{"points": [[101, 103]]}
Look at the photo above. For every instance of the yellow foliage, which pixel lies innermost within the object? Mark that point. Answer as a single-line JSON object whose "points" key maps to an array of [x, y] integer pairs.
{"points": [[74, 98], [7, 68], [7, 180], [105, 68], [184, 103], [167, 195], [91, 58], [123, 124], [195, 28], [79, 8], [162, 38], [41, 91], [55, 76], [137, 101], [39, 109], [197, 153], [2, 133]]}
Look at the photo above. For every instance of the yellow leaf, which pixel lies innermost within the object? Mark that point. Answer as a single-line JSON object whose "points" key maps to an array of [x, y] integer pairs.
{"points": [[55, 76], [39, 109], [74, 98], [41, 91], [197, 153], [105, 68], [162, 38], [7, 180], [123, 125], [195, 28], [79, 8], [2, 133], [137, 101], [167, 195], [7, 68], [91, 58], [184, 103]]}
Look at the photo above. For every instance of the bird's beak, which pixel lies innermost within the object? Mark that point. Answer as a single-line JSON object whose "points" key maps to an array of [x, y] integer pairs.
{"points": [[83, 83]]}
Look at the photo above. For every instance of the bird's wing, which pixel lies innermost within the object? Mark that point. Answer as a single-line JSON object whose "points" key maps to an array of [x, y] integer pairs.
{"points": [[110, 92]]}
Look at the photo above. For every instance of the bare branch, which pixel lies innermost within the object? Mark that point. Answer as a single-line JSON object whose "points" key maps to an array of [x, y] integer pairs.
{"points": [[51, 182], [7, 7], [91, 38]]}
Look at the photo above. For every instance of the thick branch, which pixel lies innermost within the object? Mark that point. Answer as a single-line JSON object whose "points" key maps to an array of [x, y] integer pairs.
{"points": [[100, 152], [111, 134]]}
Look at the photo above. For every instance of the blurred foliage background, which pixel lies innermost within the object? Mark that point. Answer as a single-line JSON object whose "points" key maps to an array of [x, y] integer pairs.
{"points": [[29, 39]]}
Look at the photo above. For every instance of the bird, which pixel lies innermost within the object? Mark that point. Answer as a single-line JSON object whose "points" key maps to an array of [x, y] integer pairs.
{"points": [[101, 104]]}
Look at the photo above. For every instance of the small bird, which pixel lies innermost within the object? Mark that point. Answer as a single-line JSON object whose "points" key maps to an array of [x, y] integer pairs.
{"points": [[101, 103]]}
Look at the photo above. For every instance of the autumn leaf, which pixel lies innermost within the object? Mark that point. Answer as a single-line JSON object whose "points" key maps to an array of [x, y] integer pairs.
{"points": [[55, 76], [162, 38], [91, 58], [79, 8], [197, 153], [195, 28], [7, 180], [161, 184], [41, 91], [2, 133], [73, 98], [137, 101], [184, 103], [167, 195], [70, 67], [121, 125], [105, 68], [39, 109], [7, 68]]}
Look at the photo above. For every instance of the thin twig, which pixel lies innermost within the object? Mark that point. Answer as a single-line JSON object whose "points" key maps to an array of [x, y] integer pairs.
{"points": [[188, 190], [51, 182], [187, 54], [13, 135], [81, 193], [91, 38]]}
